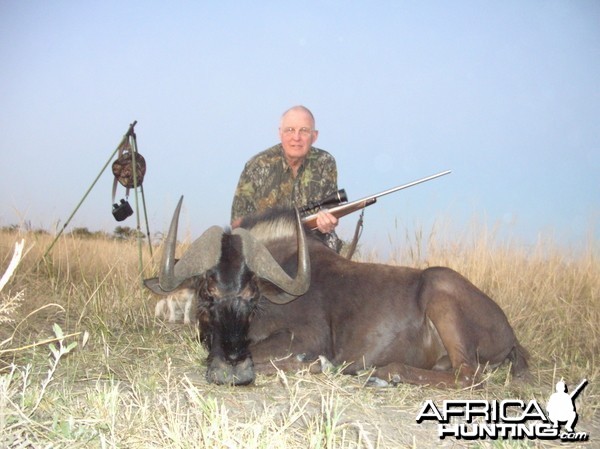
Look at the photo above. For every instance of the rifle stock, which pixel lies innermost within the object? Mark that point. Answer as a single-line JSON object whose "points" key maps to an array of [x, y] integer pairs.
{"points": [[339, 211], [310, 221]]}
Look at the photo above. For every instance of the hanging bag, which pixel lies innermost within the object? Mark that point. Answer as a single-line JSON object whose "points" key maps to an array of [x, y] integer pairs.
{"points": [[122, 169]]}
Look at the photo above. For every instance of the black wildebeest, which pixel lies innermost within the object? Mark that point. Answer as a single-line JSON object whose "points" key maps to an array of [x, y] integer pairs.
{"points": [[428, 326]]}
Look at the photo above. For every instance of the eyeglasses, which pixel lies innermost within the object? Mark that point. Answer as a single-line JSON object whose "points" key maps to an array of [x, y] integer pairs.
{"points": [[304, 132]]}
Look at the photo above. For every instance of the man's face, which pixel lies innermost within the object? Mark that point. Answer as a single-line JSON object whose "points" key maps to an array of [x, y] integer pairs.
{"points": [[297, 134]]}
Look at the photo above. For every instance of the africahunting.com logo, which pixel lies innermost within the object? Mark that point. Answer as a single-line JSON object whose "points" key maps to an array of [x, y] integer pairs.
{"points": [[507, 419]]}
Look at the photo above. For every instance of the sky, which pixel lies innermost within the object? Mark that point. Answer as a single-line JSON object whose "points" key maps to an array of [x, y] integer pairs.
{"points": [[506, 94]]}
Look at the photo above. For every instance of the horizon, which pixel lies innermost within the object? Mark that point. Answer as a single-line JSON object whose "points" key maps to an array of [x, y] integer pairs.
{"points": [[504, 94]]}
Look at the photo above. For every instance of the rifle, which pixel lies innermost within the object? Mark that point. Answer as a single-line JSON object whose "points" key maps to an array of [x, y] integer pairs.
{"points": [[344, 208]]}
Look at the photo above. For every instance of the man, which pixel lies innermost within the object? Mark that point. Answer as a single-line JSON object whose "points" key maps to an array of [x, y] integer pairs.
{"points": [[290, 174]]}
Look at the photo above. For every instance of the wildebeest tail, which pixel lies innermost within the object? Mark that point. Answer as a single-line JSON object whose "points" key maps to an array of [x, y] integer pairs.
{"points": [[519, 357]]}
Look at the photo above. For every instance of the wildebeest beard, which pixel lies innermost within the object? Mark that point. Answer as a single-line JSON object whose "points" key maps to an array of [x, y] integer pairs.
{"points": [[227, 299]]}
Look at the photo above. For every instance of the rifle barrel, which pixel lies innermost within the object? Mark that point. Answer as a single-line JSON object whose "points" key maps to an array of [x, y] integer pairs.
{"points": [[406, 186]]}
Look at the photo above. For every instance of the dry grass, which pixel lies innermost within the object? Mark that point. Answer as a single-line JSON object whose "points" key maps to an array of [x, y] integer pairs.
{"points": [[133, 382]]}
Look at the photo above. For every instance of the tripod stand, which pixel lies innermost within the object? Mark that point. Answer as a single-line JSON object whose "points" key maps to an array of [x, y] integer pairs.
{"points": [[129, 139]]}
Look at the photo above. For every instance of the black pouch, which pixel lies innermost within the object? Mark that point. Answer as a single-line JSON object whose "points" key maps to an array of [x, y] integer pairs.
{"points": [[122, 211]]}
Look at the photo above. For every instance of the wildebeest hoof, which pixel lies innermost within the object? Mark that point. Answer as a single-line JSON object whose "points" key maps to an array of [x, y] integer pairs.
{"points": [[377, 382], [326, 365], [301, 357], [396, 380]]}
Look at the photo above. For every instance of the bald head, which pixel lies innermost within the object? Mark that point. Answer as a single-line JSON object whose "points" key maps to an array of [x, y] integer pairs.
{"points": [[303, 110]]}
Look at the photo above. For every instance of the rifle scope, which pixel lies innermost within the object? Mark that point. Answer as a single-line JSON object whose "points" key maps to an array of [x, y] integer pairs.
{"points": [[335, 198]]}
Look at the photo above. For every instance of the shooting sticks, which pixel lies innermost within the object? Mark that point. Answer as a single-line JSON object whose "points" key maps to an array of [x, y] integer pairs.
{"points": [[129, 135]]}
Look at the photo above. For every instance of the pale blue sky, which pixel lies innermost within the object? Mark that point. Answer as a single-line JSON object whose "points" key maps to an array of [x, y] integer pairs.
{"points": [[506, 94]]}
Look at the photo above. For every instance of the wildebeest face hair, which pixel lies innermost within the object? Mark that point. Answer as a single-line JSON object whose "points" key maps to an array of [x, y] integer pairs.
{"points": [[227, 298]]}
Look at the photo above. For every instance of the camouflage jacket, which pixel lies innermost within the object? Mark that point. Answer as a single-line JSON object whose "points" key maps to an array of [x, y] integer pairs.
{"points": [[267, 181]]}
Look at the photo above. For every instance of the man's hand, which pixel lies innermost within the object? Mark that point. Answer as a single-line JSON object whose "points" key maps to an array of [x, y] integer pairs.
{"points": [[326, 222]]}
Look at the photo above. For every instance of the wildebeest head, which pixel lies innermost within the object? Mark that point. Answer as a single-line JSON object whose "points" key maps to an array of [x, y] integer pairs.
{"points": [[234, 271]]}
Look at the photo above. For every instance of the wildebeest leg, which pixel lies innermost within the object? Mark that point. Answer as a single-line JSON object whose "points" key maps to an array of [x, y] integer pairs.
{"points": [[290, 363], [458, 340], [398, 372], [187, 311], [472, 327], [161, 310], [276, 352]]}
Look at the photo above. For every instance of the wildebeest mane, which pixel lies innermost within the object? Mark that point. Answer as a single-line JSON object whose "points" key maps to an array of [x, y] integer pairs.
{"points": [[273, 224], [277, 224]]}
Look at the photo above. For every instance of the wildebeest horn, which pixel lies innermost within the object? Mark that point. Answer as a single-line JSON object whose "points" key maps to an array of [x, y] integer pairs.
{"points": [[259, 259], [202, 254]]}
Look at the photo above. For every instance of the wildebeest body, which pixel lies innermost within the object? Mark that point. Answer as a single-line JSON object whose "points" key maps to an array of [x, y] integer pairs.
{"points": [[269, 298], [373, 315]]}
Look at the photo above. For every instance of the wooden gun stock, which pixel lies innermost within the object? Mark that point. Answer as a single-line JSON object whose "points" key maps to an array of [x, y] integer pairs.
{"points": [[310, 221]]}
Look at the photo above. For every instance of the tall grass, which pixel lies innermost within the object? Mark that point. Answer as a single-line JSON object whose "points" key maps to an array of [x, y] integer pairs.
{"points": [[132, 381]]}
